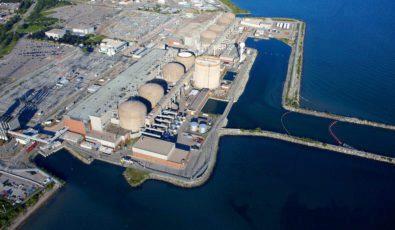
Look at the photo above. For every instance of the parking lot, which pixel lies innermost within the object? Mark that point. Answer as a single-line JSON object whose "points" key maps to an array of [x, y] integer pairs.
{"points": [[29, 55]]}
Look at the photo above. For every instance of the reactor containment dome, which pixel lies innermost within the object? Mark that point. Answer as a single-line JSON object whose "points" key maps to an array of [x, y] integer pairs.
{"points": [[207, 37], [218, 29], [172, 72], [226, 19], [132, 115], [207, 72], [152, 92], [186, 58]]}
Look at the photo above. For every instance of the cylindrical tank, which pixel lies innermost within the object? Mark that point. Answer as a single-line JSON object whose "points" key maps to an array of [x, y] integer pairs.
{"points": [[193, 126], [207, 37], [207, 72], [218, 29], [186, 58], [132, 115], [202, 128], [152, 92], [172, 72]]}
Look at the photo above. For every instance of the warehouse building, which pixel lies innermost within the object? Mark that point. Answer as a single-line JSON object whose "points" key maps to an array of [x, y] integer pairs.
{"points": [[55, 33], [160, 152]]}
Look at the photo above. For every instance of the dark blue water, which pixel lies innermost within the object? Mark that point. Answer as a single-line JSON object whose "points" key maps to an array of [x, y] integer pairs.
{"points": [[273, 185], [260, 106], [261, 183], [349, 55], [214, 107]]}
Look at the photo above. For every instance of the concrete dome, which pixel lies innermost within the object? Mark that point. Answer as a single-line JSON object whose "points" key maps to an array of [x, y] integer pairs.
{"points": [[226, 19], [186, 58], [132, 115], [172, 72], [218, 29], [207, 37], [152, 92]]}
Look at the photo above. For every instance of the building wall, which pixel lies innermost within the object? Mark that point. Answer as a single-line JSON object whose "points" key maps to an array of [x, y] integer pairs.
{"points": [[96, 123], [157, 160], [149, 153], [75, 126]]}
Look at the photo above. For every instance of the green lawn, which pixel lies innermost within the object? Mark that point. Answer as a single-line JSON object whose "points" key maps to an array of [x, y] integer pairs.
{"points": [[135, 177]]}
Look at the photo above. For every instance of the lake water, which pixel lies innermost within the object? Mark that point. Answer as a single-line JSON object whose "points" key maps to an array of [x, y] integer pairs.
{"points": [[261, 183]]}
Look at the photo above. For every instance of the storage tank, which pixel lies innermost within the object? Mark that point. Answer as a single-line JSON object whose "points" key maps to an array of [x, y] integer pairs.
{"points": [[202, 128], [218, 29], [207, 37], [193, 126], [132, 115], [172, 72], [152, 92], [207, 72], [186, 58]]}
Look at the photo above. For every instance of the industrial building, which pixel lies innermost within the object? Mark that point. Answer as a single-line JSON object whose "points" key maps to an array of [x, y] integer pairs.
{"points": [[55, 33], [102, 120], [207, 72], [82, 30], [124, 86], [112, 47], [160, 152]]}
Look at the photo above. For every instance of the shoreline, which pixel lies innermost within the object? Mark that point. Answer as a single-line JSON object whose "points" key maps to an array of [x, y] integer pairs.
{"points": [[22, 218]]}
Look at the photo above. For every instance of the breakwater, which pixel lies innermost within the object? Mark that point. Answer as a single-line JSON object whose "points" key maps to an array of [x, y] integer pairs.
{"points": [[292, 86], [307, 142]]}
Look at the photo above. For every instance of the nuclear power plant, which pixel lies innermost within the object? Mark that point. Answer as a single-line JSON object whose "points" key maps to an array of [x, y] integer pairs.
{"points": [[157, 103]]}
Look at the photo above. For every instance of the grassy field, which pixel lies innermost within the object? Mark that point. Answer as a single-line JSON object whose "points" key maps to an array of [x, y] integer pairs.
{"points": [[135, 177]]}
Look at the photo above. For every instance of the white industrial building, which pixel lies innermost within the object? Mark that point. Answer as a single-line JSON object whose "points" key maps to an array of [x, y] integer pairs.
{"points": [[112, 47], [82, 30], [256, 23], [55, 33]]}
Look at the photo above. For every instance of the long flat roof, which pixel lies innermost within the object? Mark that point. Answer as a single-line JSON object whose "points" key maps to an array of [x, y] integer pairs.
{"points": [[117, 90], [154, 145]]}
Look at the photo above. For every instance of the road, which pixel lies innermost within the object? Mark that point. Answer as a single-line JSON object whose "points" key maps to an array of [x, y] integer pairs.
{"points": [[24, 16]]}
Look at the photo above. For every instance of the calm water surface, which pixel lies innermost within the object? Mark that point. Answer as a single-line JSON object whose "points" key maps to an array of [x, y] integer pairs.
{"points": [[272, 185]]}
